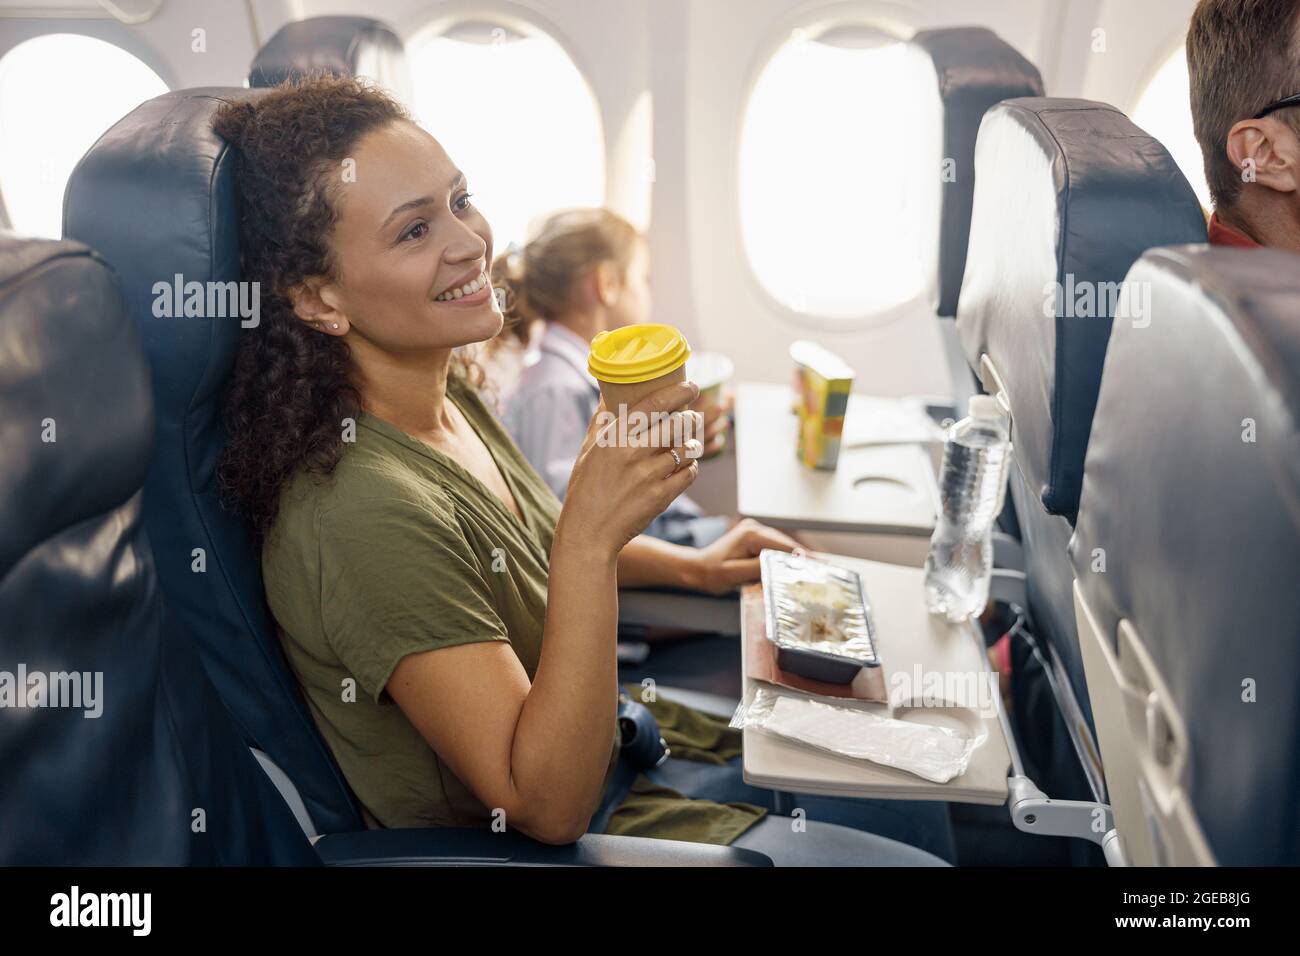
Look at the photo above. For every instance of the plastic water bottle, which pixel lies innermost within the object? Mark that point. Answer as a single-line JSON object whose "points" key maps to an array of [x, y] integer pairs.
{"points": [[971, 488]]}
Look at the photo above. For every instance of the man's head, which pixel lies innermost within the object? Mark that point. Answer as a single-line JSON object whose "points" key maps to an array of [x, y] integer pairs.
{"points": [[1242, 57]]}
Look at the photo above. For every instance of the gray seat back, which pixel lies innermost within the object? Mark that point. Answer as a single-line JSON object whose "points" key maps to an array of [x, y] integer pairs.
{"points": [[344, 46], [962, 71], [1187, 558], [1069, 193]]}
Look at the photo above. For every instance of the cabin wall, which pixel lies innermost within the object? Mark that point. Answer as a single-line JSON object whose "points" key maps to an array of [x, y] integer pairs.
{"points": [[164, 42], [697, 59]]}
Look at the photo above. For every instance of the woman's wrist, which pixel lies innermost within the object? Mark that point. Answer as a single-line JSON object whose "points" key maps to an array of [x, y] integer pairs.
{"points": [[578, 547], [683, 567], [647, 562]]}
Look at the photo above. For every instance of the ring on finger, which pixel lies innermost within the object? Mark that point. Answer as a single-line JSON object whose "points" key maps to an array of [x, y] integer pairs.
{"points": [[677, 463]]}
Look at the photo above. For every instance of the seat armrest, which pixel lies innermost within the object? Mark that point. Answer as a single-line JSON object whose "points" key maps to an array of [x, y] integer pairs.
{"points": [[1008, 553], [688, 610], [474, 847], [715, 704], [1009, 587]]}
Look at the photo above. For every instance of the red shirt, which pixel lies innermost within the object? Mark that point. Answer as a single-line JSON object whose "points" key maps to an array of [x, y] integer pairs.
{"points": [[1221, 234]]}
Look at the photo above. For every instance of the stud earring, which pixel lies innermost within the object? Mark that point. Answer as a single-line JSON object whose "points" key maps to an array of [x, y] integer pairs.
{"points": [[334, 325]]}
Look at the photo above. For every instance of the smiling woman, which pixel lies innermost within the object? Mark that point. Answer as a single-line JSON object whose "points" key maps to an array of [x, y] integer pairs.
{"points": [[407, 547]]}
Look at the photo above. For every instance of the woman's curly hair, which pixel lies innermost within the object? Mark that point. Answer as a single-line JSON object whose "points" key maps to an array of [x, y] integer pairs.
{"points": [[291, 388]]}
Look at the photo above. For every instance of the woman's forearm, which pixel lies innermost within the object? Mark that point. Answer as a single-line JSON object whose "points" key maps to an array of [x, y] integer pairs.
{"points": [[649, 562], [565, 732], [563, 735]]}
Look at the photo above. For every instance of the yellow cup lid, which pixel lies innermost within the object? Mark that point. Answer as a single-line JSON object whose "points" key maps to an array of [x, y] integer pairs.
{"points": [[637, 353]]}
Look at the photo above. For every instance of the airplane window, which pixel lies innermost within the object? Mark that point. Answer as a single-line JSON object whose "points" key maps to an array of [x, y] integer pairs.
{"points": [[58, 93], [823, 191], [527, 133], [1164, 110]]}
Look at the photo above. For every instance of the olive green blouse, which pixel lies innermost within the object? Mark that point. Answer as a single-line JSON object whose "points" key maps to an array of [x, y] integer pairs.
{"points": [[401, 550]]}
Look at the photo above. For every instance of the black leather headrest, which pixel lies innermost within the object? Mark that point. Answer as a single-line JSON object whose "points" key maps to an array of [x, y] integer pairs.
{"points": [[156, 196], [344, 46], [1069, 193], [1192, 489], [971, 69], [63, 346]]}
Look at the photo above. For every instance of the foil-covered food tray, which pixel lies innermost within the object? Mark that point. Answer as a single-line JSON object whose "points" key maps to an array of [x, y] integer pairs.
{"points": [[818, 617]]}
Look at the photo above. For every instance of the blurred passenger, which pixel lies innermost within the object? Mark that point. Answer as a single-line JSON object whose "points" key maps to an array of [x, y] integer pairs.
{"points": [[1243, 61], [585, 271]]}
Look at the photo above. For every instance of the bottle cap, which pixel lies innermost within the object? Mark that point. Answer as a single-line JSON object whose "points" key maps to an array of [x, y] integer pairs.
{"points": [[984, 406]]}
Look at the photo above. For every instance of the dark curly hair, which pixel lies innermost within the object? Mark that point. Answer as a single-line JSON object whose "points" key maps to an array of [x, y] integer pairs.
{"points": [[291, 387]]}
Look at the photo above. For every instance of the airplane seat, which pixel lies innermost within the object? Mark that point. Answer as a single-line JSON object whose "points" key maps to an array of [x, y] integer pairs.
{"points": [[158, 208], [144, 767], [164, 210], [963, 71], [344, 46], [1190, 629], [1068, 194]]}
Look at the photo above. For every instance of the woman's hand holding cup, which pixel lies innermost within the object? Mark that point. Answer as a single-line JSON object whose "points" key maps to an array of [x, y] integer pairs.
{"points": [[634, 462]]}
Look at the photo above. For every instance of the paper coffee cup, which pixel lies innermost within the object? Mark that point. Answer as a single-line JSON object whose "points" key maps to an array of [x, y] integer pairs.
{"points": [[635, 360], [711, 371]]}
